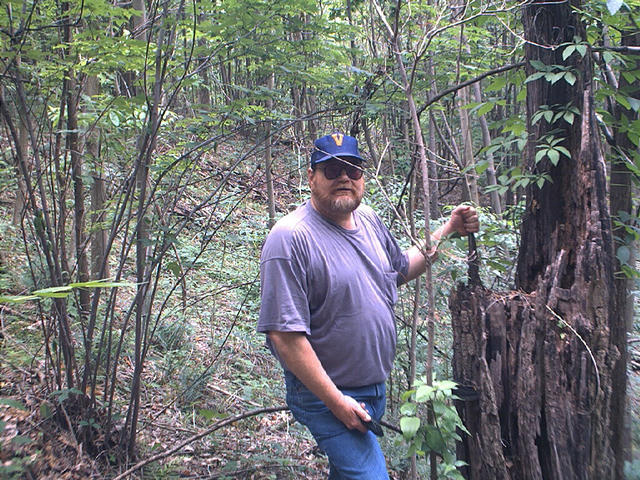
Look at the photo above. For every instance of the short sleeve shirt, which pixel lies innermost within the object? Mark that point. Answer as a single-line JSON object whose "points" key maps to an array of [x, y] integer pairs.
{"points": [[338, 286]]}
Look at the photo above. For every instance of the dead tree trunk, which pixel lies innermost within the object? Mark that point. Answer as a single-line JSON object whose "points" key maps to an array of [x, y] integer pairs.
{"points": [[542, 356]]}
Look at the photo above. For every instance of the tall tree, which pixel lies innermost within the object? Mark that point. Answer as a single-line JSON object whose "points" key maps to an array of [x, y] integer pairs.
{"points": [[542, 356], [621, 196]]}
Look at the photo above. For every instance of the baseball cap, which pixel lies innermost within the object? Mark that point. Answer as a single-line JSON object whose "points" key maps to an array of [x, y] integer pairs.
{"points": [[335, 145]]}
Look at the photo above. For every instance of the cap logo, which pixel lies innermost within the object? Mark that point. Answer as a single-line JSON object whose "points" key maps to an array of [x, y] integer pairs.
{"points": [[338, 137]]}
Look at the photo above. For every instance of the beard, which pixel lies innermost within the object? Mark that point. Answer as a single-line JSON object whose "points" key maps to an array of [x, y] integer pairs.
{"points": [[330, 205], [344, 204]]}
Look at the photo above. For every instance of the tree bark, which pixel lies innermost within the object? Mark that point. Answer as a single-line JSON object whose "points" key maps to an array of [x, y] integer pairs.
{"points": [[496, 204], [432, 150], [99, 263], [541, 356], [79, 221], [468, 163], [20, 202], [621, 203], [268, 160]]}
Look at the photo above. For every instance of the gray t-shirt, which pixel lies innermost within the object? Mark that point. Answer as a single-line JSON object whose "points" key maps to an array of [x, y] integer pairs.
{"points": [[338, 286]]}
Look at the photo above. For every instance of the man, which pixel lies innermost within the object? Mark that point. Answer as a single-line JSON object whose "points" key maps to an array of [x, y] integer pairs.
{"points": [[329, 277]]}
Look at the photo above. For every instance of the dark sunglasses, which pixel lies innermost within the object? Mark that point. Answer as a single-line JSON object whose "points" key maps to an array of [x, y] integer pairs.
{"points": [[332, 171]]}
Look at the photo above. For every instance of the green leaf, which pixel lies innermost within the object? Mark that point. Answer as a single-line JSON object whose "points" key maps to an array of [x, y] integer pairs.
{"points": [[570, 78], [10, 402], [434, 439], [496, 84], [623, 254], [485, 108], [65, 393], [624, 101], [538, 65], [537, 116], [174, 268], [54, 292], [567, 52], [21, 440], [548, 116], [568, 117], [211, 414], [445, 385], [481, 167], [581, 49], [554, 77], [534, 76], [563, 151], [17, 298], [629, 76], [409, 426], [424, 393], [113, 117], [408, 408], [554, 156], [101, 284], [407, 395], [614, 5], [45, 411], [634, 103]]}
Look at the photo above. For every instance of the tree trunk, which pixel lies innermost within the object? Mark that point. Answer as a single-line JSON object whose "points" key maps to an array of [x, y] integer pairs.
{"points": [[415, 314], [486, 141], [541, 357], [468, 163], [79, 223], [268, 159], [496, 205], [432, 150], [451, 146], [20, 202], [621, 203], [99, 264], [146, 146], [424, 172]]}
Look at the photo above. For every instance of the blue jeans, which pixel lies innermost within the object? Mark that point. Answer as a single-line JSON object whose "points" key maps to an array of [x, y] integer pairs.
{"points": [[352, 454]]}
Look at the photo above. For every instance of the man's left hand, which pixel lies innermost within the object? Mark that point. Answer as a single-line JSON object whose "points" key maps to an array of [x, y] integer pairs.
{"points": [[464, 220]]}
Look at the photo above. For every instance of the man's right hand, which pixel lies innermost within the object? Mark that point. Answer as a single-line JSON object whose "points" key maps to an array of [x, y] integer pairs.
{"points": [[298, 355], [351, 413]]}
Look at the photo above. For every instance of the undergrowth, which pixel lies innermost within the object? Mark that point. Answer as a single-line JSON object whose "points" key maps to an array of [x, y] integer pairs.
{"points": [[208, 362]]}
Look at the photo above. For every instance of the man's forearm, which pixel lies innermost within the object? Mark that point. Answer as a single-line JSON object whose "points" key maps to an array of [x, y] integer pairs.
{"points": [[300, 358], [420, 254], [463, 220]]}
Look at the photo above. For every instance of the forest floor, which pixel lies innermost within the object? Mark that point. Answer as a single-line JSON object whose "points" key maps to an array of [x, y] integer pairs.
{"points": [[207, 364], [264, 446]]}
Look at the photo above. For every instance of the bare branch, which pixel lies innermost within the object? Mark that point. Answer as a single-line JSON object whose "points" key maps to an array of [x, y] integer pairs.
{"points": [[198, 436], [471, 81]]}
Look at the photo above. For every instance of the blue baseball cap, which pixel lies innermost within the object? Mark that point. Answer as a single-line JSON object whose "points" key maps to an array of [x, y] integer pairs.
{"points": [[335, 145]]}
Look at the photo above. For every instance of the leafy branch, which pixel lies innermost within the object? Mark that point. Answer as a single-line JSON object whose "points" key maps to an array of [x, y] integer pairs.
{"points": [[62, 291]]}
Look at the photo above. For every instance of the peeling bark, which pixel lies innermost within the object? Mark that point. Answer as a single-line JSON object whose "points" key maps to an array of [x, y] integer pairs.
{"points": [[542, 365], [541, 356]]}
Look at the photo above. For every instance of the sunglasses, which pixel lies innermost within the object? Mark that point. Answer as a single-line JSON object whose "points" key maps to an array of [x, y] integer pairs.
{"points": [[332, 171]]}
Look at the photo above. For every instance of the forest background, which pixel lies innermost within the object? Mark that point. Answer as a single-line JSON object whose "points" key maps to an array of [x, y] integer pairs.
{"points": [[147, 147]]}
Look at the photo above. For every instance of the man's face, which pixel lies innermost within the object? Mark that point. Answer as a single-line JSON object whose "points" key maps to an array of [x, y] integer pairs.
{"points": [[333, 188]]}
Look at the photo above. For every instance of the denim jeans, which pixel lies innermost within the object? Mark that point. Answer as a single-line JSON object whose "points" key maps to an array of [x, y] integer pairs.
{"points": [[352, 454]]}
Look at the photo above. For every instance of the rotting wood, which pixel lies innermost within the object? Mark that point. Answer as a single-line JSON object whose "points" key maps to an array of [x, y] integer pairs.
{"points": [[539, 380], [541, 356]]}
